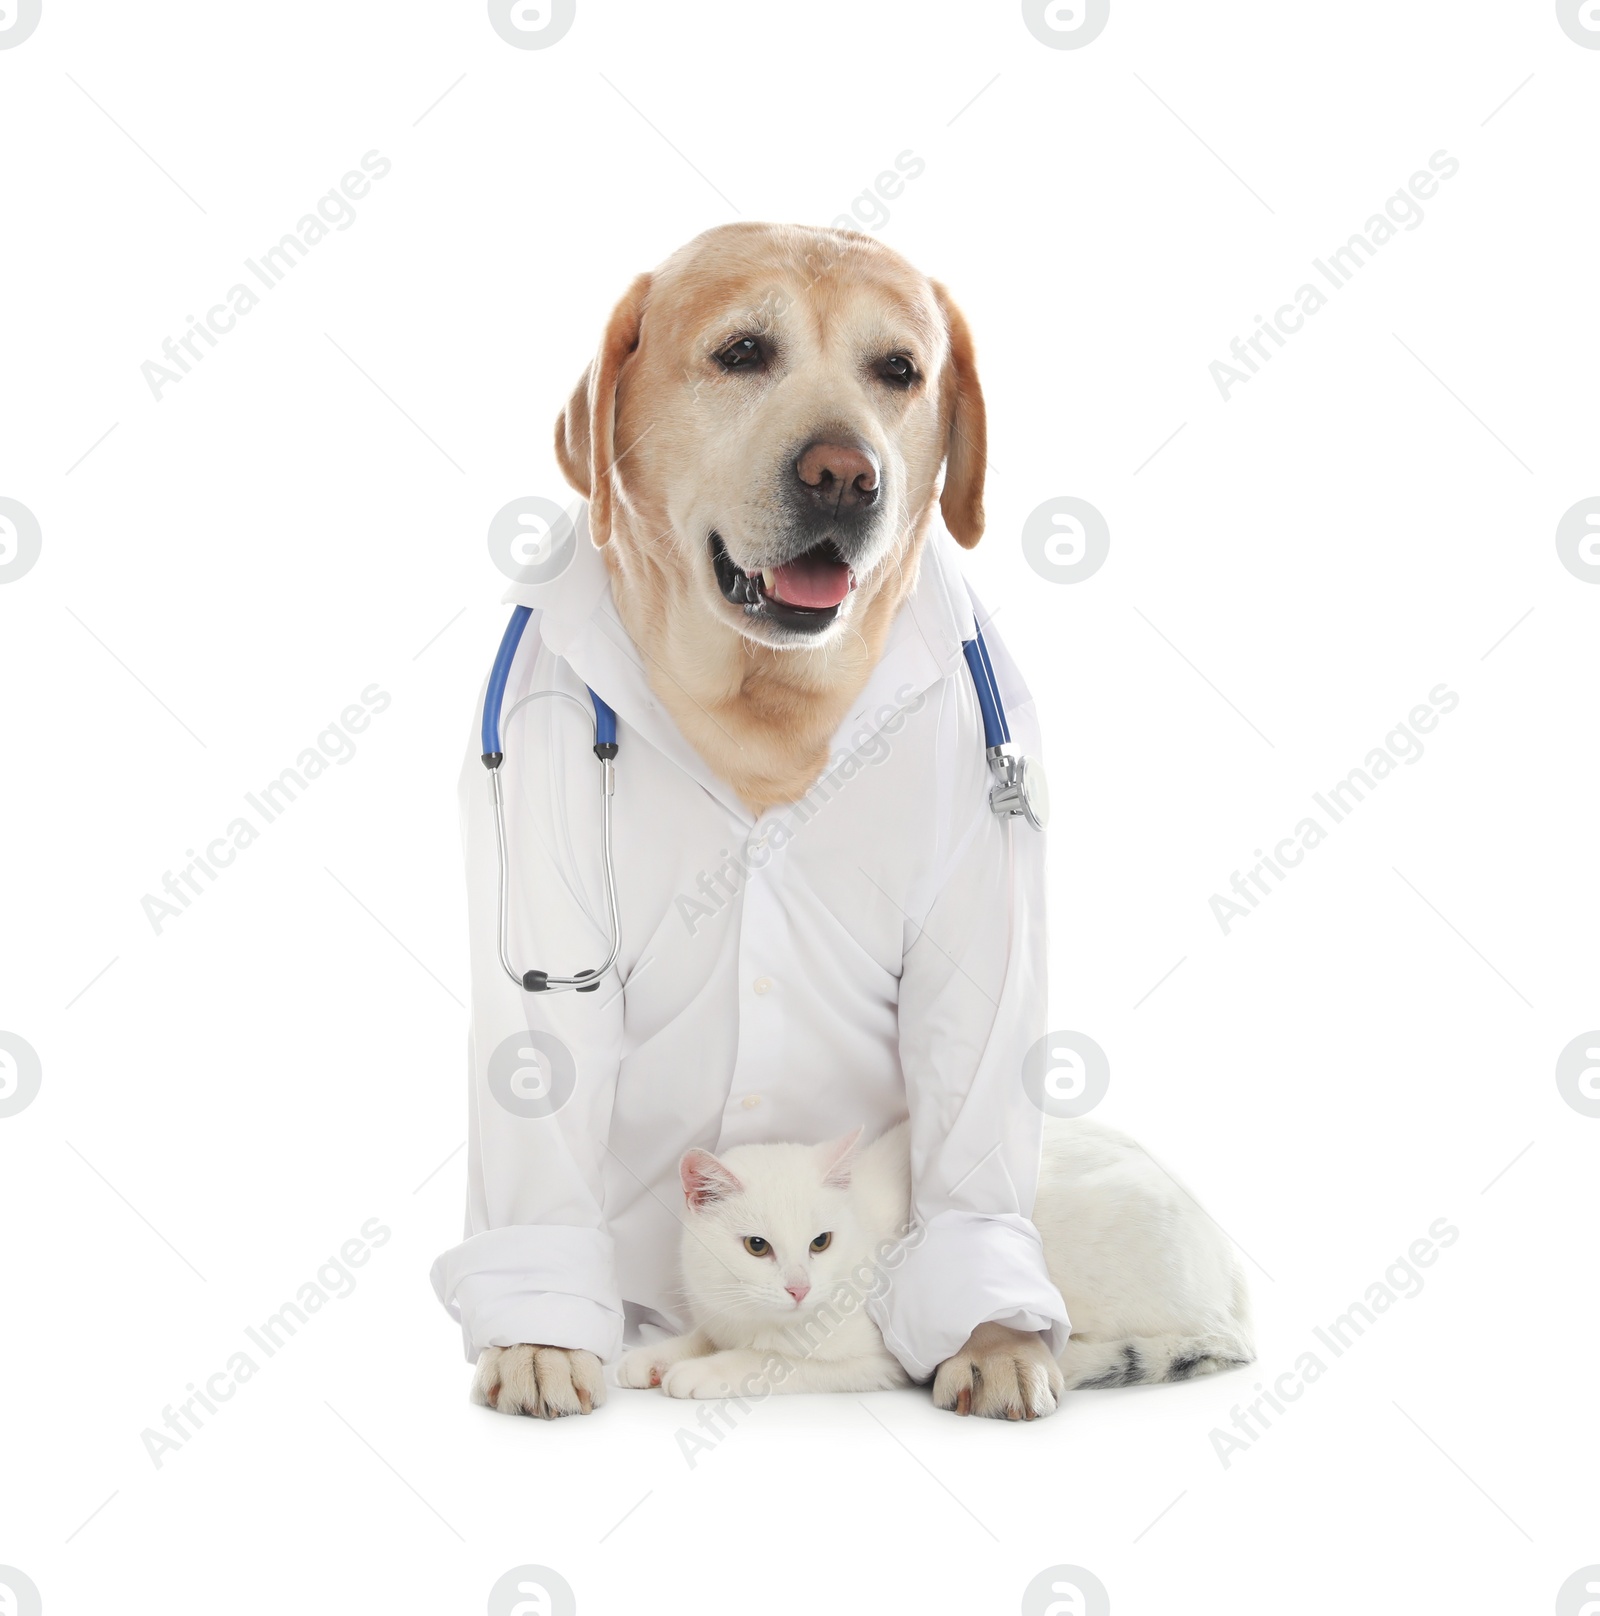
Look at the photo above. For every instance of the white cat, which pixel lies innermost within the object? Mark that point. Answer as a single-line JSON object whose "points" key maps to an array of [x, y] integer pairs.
{"points": [[782, 1244]]}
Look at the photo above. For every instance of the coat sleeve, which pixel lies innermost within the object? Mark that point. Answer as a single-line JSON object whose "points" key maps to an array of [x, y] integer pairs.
{"points": [[972, 1003], [536, 1262]]}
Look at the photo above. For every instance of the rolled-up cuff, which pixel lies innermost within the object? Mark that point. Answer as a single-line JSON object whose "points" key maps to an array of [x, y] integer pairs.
{"points": [[959, 1271], [553, 1285]]}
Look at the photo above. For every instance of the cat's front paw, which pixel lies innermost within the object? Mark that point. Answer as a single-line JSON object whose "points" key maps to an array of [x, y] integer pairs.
{"points": [[1001, 1373], [643, 1367], [723, 1374]]}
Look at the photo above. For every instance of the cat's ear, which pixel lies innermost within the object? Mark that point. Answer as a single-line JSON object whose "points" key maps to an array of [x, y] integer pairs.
{"points": [[838, 1159], [705, 1179]]}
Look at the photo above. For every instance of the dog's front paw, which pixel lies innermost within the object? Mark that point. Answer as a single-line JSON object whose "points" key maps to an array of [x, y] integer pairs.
{"points": [[544, 1381], [1001, 1373], [722, 1374]]}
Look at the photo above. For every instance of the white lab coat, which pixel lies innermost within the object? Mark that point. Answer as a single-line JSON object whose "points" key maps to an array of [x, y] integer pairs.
{"points": [[875, 950]]}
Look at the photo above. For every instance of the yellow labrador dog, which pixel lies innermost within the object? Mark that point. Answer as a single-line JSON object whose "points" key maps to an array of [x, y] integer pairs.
{"points": [[759, 583], [787, 336]]}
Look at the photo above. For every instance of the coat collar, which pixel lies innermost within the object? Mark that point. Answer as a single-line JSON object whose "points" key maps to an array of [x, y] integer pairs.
{"points": [[578, 620]]}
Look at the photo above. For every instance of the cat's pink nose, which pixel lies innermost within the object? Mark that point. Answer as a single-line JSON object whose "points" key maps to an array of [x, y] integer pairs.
{"points": [[798, 1292]]}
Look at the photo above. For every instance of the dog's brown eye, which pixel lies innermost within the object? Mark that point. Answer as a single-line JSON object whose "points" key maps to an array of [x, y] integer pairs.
{"points": [[897, 370], [745, 354], [822, 1242], [756, 1246]]}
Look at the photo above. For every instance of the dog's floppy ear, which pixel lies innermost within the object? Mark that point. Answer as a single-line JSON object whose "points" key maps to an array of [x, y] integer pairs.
{"points": [[585, 430], [966, 453]]}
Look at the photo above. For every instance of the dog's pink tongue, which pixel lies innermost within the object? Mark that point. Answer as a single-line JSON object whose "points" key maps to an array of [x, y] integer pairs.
{"points": [[814, 583]]}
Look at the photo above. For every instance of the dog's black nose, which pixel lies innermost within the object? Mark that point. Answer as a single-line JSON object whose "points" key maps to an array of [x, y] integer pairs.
{"points": [[837, 479]]}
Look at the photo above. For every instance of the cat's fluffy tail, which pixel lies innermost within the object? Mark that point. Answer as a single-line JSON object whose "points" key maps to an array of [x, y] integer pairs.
{"points": [[1141, 1360]]}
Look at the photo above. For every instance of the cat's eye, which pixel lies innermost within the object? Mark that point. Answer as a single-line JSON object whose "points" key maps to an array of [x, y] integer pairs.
{"points": [[822, 1242], [756, 1245]]}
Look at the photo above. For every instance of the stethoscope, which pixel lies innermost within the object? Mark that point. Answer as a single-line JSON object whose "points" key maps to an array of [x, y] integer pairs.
{"points": [[1019, 787]]}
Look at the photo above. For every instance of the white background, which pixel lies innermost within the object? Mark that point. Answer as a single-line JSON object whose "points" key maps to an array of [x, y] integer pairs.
{"points": [[305, 515]]}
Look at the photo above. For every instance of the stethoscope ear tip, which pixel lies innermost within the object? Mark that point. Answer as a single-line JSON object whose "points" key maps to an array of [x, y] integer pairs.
{"points": [[539, 981]]}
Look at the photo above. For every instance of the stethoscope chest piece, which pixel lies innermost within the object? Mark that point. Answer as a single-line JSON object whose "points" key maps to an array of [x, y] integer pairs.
{"points": [[1020, 787]]}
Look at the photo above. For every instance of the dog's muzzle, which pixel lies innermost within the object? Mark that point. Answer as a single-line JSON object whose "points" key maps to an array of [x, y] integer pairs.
{"points": [[804, 593]]}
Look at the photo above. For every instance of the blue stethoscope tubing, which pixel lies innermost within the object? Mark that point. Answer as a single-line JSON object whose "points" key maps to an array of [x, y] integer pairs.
{"points": [[605, 748], [1019, 788], [996, 732]]}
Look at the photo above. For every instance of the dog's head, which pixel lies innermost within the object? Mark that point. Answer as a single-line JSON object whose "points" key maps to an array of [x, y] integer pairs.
{"points": [[764, 426]]}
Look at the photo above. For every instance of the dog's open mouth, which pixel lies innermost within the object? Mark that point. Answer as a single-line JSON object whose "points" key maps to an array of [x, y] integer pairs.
{"points": [[804, 593]]}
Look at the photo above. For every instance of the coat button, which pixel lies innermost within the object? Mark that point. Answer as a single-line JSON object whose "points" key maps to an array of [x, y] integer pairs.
{"points": [[751, 1101], [762, 984]]}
